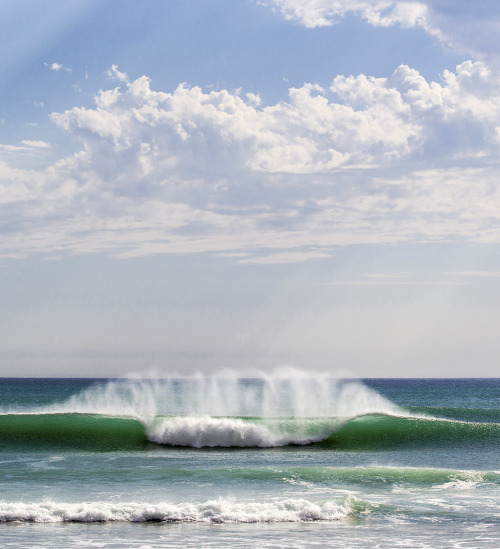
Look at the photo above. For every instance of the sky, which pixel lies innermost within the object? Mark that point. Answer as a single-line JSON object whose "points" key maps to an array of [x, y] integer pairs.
{"points": [[247, 185]]}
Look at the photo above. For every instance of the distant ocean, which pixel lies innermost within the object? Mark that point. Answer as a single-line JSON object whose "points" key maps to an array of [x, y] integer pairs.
{"points": [[270, 462]]}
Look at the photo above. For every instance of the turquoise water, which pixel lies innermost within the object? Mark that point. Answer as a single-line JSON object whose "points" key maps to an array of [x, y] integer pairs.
{"points": [[268, 462]]}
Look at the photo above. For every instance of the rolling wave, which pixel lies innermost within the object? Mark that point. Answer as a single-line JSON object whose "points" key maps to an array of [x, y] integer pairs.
{"points": [[385, 475], [215, 511], [364, 432]]}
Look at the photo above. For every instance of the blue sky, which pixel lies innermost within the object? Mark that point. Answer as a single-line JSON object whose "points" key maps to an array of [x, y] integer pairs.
{"points": [[194, 186]]}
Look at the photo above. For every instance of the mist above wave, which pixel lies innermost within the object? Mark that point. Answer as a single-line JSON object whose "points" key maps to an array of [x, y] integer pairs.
{"points": [[296, 395]]}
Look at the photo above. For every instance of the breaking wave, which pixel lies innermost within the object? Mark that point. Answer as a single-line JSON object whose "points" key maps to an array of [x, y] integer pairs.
{"points": [[216, 511], [218, 412]]}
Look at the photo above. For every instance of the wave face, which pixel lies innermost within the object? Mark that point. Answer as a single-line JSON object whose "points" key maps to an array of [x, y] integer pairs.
{"points": [[81, 431], [216, 511], [379, 431], [367, 432]]}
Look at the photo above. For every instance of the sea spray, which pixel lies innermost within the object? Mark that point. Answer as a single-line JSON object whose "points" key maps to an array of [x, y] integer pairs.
{"points": [[269, 396]]}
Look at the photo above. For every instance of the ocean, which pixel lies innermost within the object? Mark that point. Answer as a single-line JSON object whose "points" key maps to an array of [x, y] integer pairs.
{"points": [[282, 461]]}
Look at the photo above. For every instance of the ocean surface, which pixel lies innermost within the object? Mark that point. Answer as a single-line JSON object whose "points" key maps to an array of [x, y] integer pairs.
{"points": [[281, 462]]}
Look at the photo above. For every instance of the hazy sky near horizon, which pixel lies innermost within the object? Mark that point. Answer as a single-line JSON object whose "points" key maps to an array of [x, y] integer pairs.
{"points": [[243, 184]]}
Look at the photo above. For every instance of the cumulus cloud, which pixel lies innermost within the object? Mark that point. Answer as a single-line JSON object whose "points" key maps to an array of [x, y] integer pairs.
{"points": [[366, 160], [359, 120]]}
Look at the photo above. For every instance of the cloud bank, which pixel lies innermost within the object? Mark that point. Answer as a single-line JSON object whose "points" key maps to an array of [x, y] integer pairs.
{"points": [[368, 160]]}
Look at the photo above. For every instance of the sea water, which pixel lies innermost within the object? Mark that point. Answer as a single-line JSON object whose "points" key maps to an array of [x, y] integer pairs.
{"points": [[289, 460]]}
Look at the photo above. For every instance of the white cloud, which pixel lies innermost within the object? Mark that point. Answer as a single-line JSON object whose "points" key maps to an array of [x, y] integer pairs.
{"points": [[466, 27], [368, 160], [12, 148], [114, 73], [56, 67], [321, 13], [27, 146], [35, 144], [360, 120]]}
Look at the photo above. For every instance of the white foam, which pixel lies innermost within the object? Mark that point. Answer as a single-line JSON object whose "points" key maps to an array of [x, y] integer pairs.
{"points": [[200, 431], [468, 480], [219, 511]]}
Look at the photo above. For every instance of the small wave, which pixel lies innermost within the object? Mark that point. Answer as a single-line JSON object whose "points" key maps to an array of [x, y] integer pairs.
{"points": [[385, 475], [467, 480], [215, 511]]}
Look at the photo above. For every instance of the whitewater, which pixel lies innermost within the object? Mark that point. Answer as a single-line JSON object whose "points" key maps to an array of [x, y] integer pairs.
{"points": [[350, 458]]}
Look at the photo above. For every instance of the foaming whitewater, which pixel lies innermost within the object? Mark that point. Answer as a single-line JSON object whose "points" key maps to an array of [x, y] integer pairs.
{"points": [[218, 511], [263, 411]]}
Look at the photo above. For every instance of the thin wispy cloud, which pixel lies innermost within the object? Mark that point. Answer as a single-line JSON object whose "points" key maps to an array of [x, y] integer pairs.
{"points": [[26, 146], [36, 144]]}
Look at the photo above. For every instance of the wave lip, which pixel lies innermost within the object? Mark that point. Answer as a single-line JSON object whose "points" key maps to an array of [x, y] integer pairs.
{"points": [[215, 511]]}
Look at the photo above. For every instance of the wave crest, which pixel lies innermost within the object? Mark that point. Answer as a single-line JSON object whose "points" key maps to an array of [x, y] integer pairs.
{"points": [[215, 511]]}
